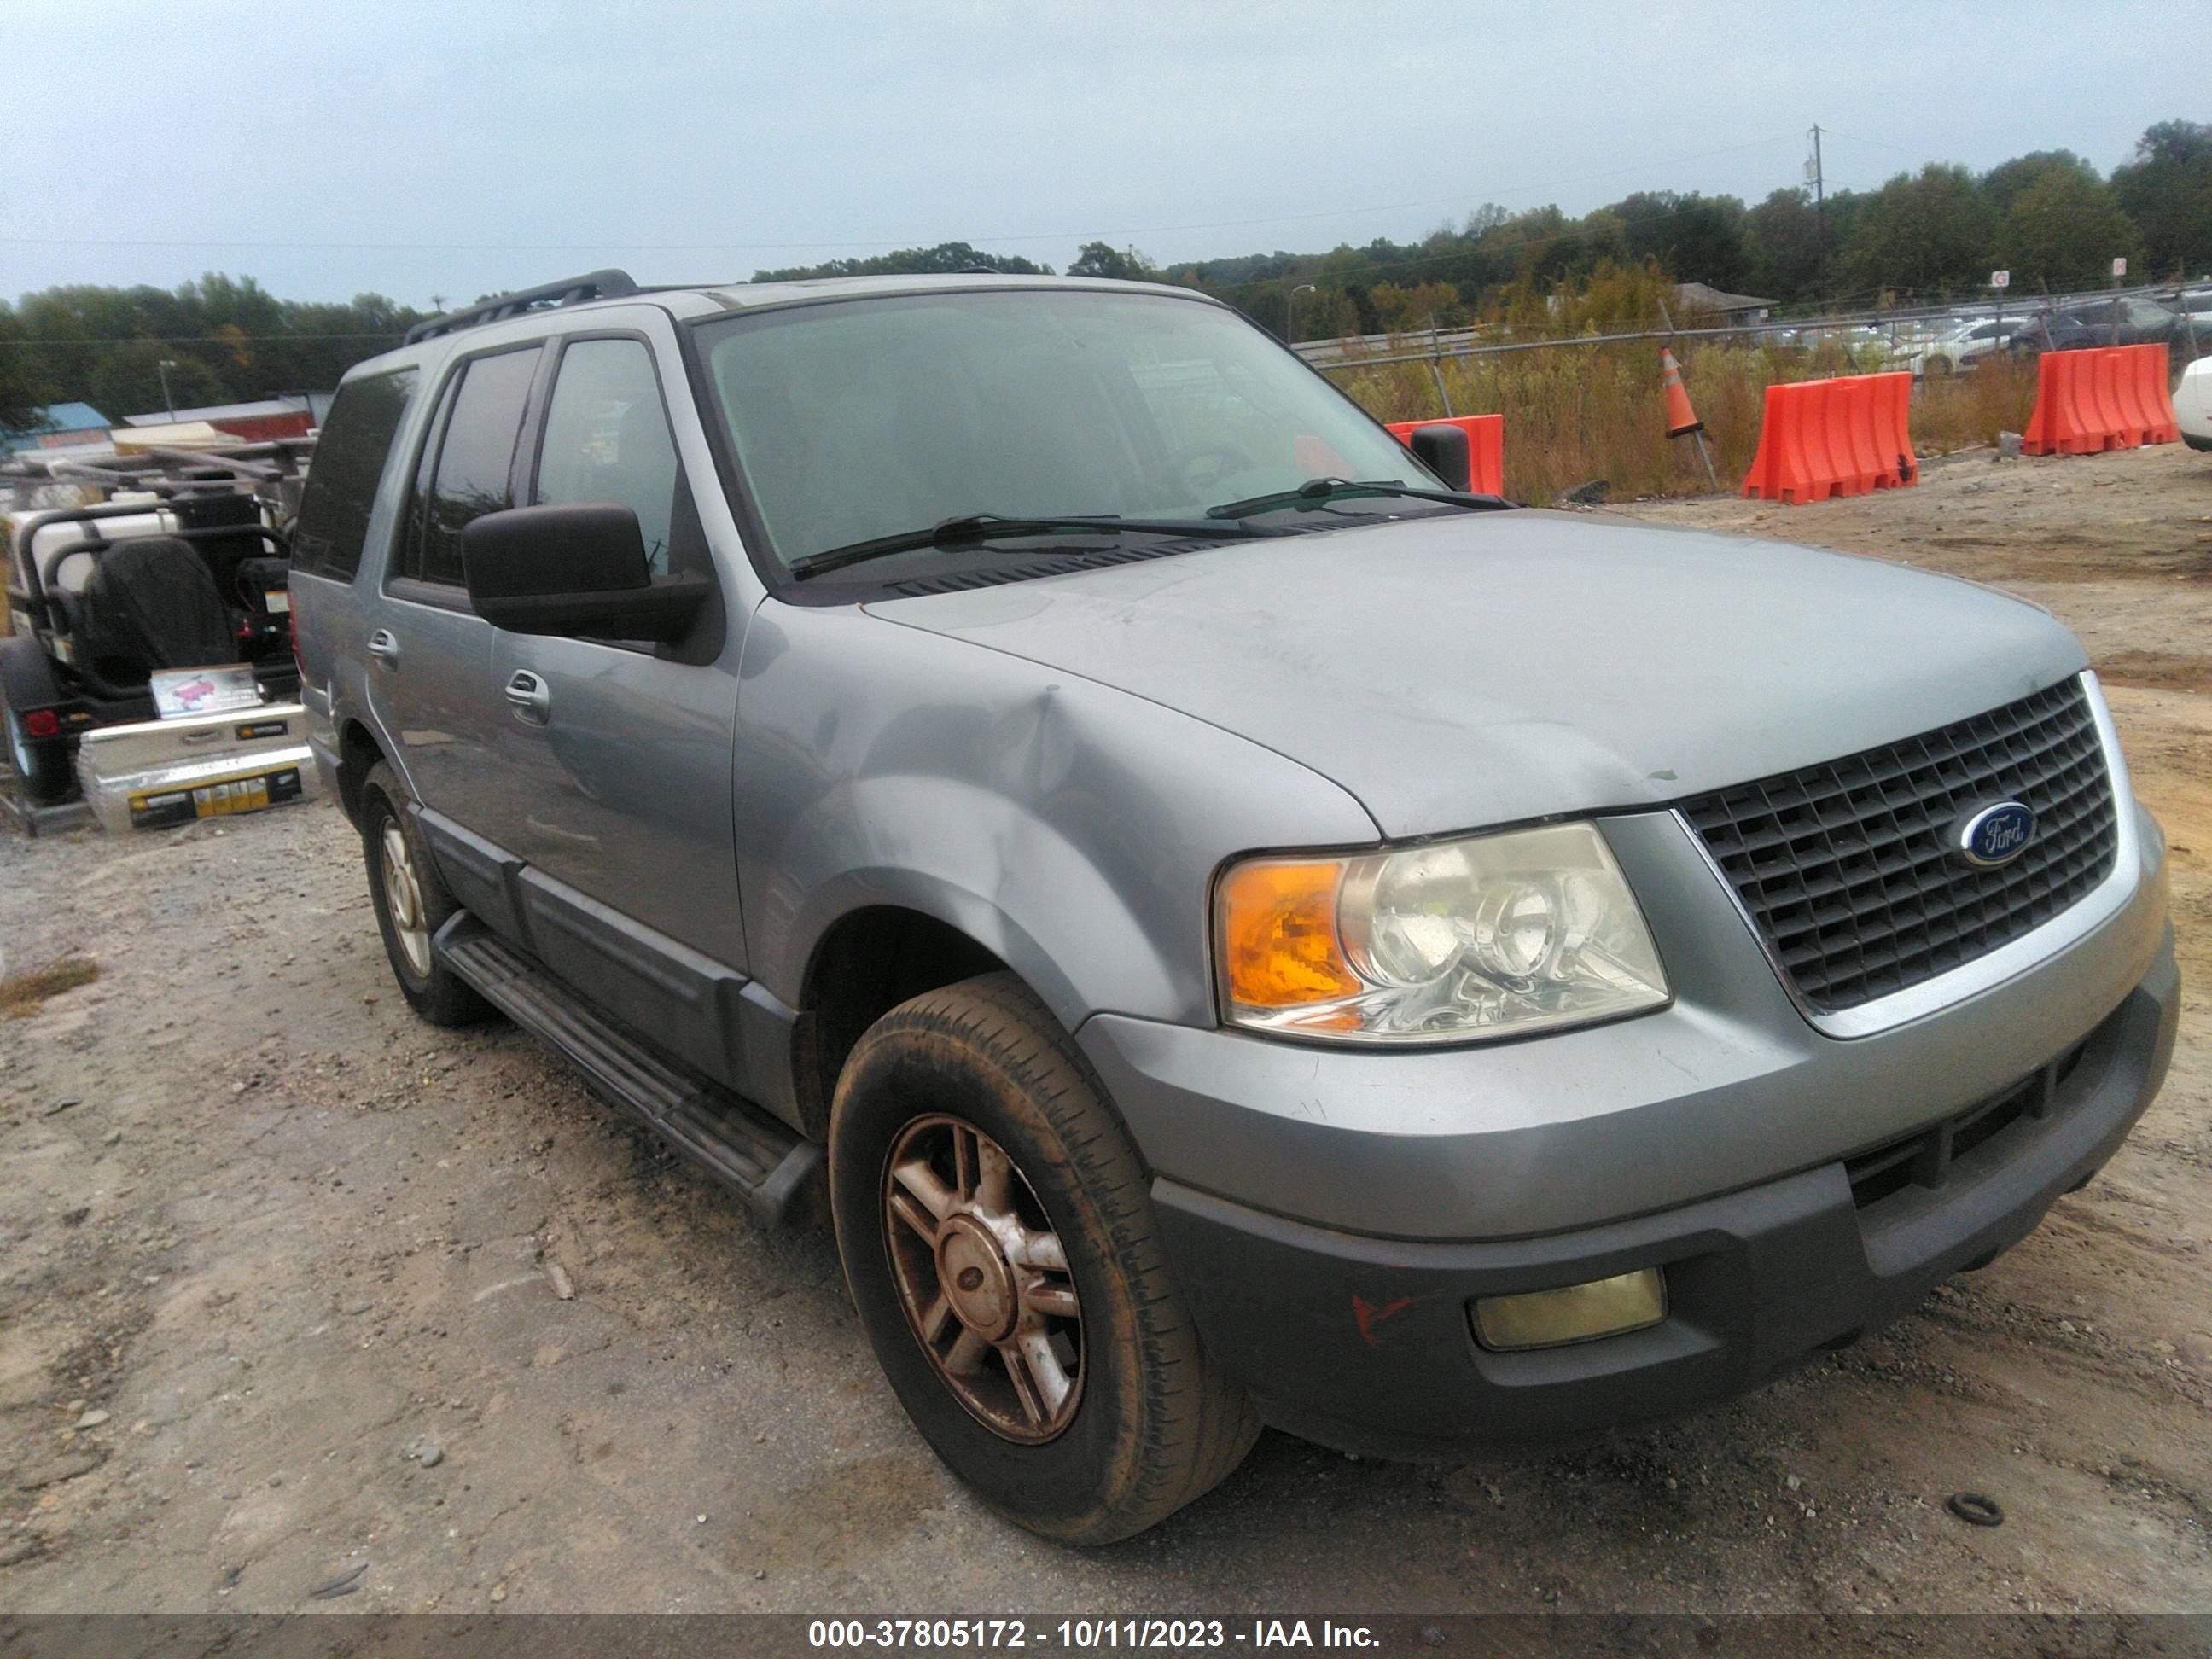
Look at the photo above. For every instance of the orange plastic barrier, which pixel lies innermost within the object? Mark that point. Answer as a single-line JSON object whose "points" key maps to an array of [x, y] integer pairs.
{"points": [[1839, 437], [1486, 447], [2106, 398]]}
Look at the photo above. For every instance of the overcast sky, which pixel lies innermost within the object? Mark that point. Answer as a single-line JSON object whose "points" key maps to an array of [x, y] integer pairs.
{"points": [[417, 150]]}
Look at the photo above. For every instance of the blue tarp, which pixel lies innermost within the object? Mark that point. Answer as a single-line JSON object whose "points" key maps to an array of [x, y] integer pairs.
{"points": [[57, 418]]}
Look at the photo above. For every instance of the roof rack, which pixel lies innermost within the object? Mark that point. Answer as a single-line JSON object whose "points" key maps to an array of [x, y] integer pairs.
{"points": [[608, 284]]}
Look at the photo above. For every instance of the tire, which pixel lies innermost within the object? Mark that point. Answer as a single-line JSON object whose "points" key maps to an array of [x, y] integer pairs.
{"points": [[431, 988], [1149, 1422], [41, 764]]}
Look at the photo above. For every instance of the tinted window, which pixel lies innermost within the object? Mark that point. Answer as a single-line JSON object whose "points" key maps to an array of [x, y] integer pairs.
{"points": [[342, 479], [607, 440], [474, 459]]}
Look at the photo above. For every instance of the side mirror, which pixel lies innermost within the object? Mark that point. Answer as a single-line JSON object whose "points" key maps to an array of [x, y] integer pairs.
{"points": [[577, 571], [1443, 449]]}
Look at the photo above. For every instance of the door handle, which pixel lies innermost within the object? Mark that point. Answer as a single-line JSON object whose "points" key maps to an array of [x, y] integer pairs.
{"points": [[531, 698], [384, 645]]}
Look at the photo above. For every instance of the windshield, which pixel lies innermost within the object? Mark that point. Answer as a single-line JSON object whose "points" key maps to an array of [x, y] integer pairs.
{"points": [[865, 418]]}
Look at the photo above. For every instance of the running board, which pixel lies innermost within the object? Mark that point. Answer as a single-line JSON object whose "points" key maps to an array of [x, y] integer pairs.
{"points": [[761, 1158]]}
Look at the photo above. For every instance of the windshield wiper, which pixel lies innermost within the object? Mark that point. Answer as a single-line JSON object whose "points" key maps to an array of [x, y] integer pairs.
{"points": [[974, 528], [1315, 492]]}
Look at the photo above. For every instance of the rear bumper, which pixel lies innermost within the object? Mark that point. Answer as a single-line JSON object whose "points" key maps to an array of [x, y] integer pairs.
{"points": [[1366, 1343]]}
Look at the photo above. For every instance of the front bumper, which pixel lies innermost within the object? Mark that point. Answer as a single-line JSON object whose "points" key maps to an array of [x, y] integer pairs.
{"points": [[1333, 1212], [1366, 1343]]}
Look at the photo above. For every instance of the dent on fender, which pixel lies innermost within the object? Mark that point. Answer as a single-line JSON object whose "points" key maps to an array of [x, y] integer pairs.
{"points": [[1071, 827]]}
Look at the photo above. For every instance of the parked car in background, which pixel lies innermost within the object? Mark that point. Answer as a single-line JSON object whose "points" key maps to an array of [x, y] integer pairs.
{"points": [[1235, 944], [2048, 331], [2193, 309], [1962, 347], [2128, 320], [2192, 403]]}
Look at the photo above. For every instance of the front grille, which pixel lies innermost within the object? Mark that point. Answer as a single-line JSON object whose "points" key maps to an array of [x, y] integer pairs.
{"points": [[1849, 868]]}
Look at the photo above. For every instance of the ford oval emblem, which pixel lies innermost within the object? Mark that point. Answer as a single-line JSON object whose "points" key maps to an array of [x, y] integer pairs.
{"points": [[1996, 834]]}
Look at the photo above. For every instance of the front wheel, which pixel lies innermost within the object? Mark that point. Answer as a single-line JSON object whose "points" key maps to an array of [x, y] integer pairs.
{"points": [[1000, 1246]]}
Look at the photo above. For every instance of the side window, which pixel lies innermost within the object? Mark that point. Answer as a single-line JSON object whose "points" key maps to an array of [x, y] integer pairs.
{"points": [[349, 463], [607, 440], [475, 454]]}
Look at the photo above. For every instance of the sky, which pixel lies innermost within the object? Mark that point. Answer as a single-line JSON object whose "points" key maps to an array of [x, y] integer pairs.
{"points": [[432, 152]]}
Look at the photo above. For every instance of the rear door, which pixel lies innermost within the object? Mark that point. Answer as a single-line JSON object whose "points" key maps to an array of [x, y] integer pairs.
{"points": [[429, 660]]}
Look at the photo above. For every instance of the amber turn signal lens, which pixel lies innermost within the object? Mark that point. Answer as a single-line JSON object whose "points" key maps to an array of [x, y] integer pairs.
{"points": [[1279, 943]]}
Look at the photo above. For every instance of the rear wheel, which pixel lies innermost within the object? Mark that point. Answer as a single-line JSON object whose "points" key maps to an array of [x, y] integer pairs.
{"points": [[1001, 1249], [42, 764], [411, 902]]}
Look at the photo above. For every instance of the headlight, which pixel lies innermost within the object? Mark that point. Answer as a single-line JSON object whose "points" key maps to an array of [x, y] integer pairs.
{"points": [[1491, 936]]}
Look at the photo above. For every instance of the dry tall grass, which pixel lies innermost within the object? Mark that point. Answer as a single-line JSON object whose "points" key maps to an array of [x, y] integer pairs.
{"points": [[1574, 413]]}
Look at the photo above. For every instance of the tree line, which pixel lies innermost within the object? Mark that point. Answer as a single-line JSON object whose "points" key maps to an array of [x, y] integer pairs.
{"points": [[2050, 217], [225, 338]]}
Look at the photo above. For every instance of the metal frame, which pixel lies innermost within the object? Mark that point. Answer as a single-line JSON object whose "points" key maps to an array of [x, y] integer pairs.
{"points": [[32, 587]]}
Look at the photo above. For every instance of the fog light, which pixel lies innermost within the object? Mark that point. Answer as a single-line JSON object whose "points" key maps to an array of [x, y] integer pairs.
{"points": [[1573, 1313]]}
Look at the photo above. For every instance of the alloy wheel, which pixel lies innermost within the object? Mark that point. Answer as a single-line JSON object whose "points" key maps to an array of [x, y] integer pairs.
{"points": [[402, 900], [983, 1278]]}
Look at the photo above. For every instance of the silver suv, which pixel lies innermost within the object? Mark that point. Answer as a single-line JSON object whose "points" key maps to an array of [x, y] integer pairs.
{"points": [[1236, 927]]}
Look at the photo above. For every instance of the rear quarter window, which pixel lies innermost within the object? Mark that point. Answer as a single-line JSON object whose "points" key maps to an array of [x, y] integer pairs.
{"points": [[349, 463]]}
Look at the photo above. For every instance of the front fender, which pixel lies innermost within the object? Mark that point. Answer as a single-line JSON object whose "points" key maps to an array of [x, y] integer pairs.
{"points": [[26, 673], [1069, 828], [987, 919]]}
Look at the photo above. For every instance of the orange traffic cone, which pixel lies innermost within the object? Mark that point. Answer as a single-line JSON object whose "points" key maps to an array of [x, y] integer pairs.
{"points": [[1680, 418]]}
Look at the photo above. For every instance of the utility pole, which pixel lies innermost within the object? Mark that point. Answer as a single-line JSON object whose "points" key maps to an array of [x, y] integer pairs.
{"points": [[162, 368], [1819, 210]]}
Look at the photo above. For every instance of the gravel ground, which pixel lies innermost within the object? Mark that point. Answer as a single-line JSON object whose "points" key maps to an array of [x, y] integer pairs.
{"points": [[301, 1296]]}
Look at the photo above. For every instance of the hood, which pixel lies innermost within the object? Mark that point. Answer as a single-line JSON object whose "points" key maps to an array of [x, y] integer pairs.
{"points": [[1472, 669]]}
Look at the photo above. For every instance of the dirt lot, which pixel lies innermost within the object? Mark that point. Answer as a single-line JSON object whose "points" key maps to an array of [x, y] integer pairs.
{"points": [[282, 1295]]}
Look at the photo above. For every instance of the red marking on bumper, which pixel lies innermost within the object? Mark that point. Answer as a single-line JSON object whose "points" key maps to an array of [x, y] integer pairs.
{"points": [[1367, 1316]]}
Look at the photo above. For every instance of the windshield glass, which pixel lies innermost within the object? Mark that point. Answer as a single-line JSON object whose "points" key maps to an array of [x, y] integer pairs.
{"points": [[864, 418]]}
